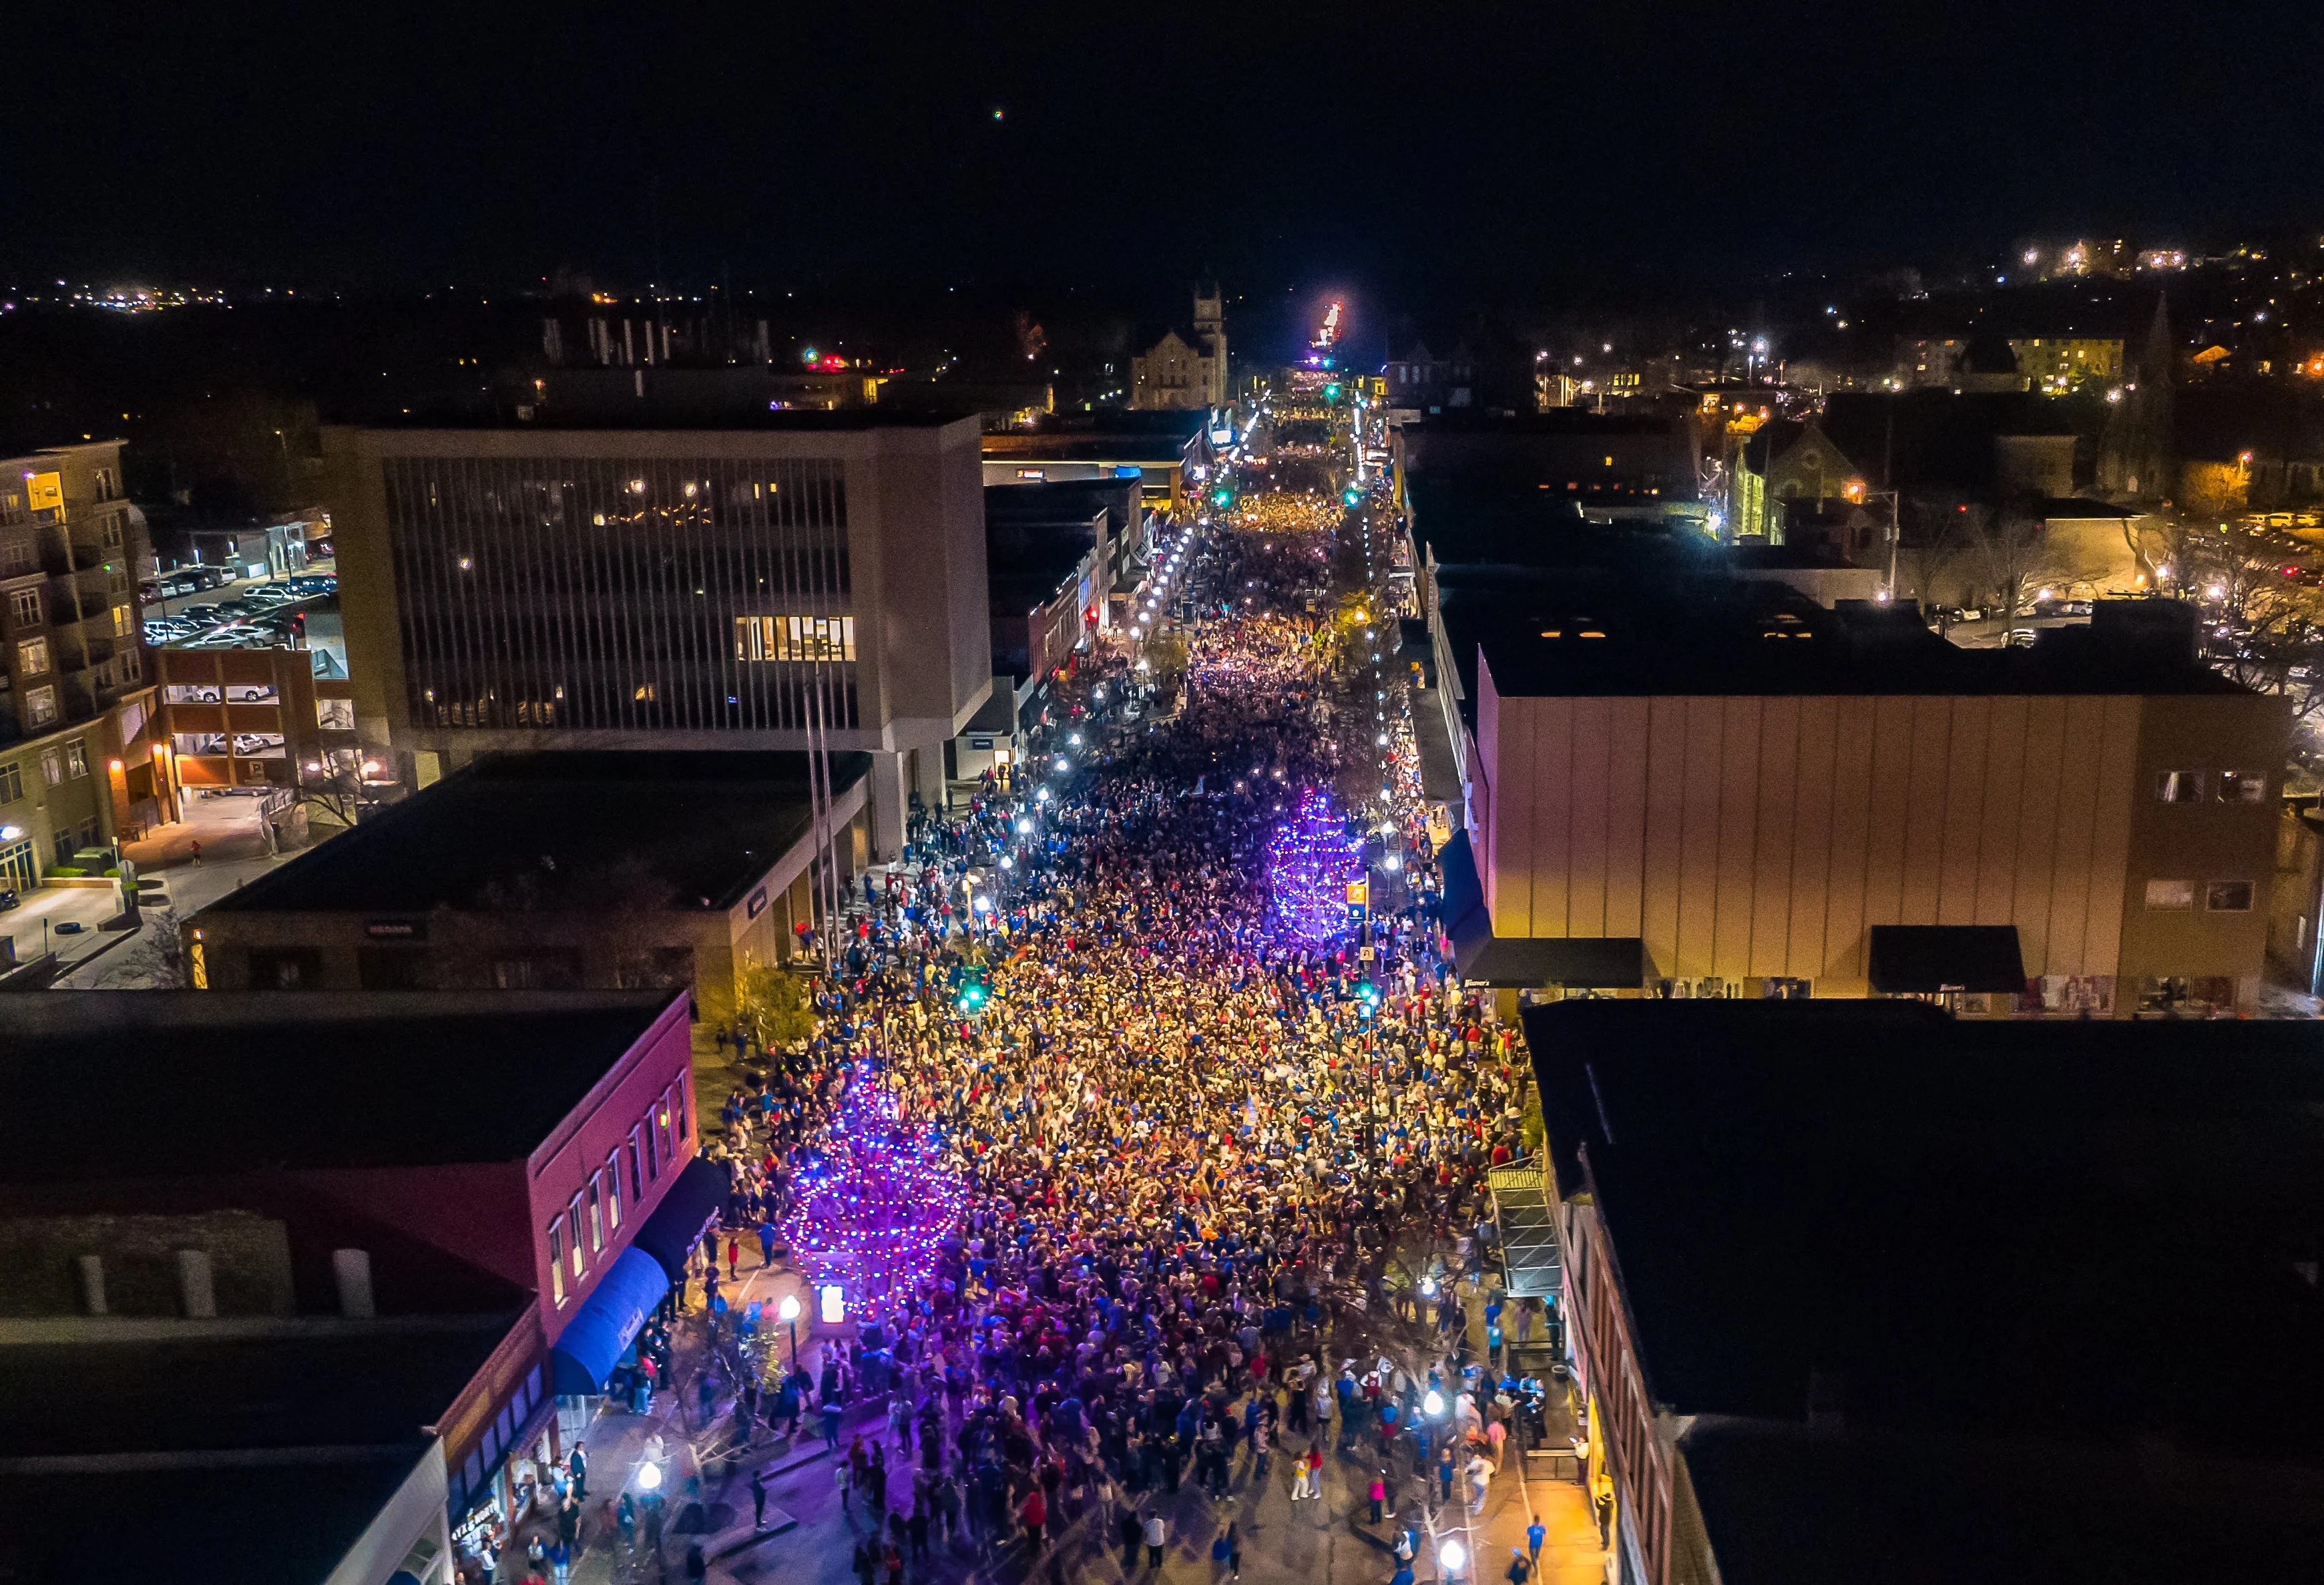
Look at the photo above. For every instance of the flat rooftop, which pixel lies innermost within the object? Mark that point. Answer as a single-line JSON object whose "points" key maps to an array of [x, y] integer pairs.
{"points": [[562, 830], [1597, 637], [208, 1439], [2100, 1233], [197, 1083], [660, 415]]}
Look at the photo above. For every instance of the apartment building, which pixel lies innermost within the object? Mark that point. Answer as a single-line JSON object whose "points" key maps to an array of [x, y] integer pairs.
{"points": [[76, 698]]}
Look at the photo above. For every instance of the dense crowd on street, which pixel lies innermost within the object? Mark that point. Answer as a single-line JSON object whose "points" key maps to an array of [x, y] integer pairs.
{"points": [[1223, 1188]]}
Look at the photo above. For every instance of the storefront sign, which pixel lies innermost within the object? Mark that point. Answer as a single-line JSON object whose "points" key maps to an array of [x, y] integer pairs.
{"points": [[397, 929]]}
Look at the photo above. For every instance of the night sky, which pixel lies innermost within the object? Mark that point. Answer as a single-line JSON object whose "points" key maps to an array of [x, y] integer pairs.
{"points": [[1414, 151]]}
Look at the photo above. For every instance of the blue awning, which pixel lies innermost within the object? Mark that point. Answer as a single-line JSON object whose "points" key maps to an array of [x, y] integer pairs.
{"points": [[594, 1342], [686, 1209], [1464, 891]]}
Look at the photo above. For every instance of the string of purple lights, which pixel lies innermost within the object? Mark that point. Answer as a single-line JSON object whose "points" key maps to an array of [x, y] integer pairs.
{"points": [[1311, 860], [873, 1213]]}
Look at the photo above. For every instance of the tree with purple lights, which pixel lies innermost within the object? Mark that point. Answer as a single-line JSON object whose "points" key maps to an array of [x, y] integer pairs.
{"points": [[872, 1212], [1311, 860]]}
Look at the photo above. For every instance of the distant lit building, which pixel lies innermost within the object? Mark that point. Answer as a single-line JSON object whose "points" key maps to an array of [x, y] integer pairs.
{"points": [[2052, 366], [1185, 370], [76, 695], [1782, 461]]}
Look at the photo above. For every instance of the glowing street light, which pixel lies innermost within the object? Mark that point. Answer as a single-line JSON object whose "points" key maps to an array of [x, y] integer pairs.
{"points": [[648, 1477], [789, 1310], [1432, 1405]]}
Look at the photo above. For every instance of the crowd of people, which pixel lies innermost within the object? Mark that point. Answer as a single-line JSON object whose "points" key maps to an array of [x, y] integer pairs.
{"points": [[1220, 1192]]}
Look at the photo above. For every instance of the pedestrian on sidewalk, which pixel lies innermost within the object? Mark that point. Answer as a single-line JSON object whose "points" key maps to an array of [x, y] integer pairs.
{"points": [[734, 1259], [1533, 1535], [1377, 1494], [579, 1467], [1157, 1536], [831, 1426], [197, 852], [1131, 1529], [767, 1243], [757, 1499], [842, 1475], [1519, 1571]]}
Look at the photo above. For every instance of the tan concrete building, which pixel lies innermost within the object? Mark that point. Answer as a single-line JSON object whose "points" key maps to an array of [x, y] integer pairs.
{"points": [[1750, 799], [569, 871], [751, 585]]}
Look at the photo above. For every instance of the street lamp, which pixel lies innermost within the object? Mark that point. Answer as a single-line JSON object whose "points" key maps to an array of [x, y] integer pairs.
{"points": [[1450, 1555], [790, 1312], [649, 1476], [1432, 1405]]}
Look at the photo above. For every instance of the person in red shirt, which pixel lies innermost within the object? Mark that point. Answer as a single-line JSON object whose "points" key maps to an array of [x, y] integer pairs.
{"points": [[1035, 1515]]}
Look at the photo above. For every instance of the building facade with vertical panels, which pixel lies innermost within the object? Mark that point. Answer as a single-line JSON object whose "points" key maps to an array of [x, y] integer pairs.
{"points": [[1754, 809], [748, 585]]}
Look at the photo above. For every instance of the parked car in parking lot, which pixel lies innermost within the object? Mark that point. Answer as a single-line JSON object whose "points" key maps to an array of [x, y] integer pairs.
{"points": [[2021, 638]]}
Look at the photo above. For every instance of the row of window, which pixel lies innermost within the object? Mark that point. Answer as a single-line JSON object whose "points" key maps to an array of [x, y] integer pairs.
{"points": [[500, 1435], [2196, 787], [580, 1232], [2219, 897], [56, 764], [794, 637]]}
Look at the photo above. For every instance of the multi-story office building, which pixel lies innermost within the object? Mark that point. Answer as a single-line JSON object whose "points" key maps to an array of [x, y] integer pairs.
{"points": [[764, 583], [76, 716]]}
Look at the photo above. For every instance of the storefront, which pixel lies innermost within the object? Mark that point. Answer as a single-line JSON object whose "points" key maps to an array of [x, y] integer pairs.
{"points": [[505, 1473]]}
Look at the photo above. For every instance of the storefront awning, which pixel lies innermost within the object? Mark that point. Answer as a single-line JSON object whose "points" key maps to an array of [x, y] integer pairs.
{"points": [[599, 1333], [1926, 959], [1578, 962], [686, 1209], [1464, 893]]}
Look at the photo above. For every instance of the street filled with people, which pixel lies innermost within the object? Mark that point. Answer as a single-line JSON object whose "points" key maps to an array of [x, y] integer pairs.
{"points": [[1132, 1179]]}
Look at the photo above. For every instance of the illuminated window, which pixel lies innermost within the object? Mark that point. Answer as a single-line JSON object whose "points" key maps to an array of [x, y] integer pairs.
{"points": [[794, 637], [597, 1216], [613, 1191], [831, 1303], [556, 1259], [33, 657], [2170, 896], [122, 622], [76, 757], [572, 1235]]}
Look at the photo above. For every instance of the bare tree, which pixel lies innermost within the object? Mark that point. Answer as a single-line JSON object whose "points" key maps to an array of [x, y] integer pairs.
{"points": [[2263, 622]]}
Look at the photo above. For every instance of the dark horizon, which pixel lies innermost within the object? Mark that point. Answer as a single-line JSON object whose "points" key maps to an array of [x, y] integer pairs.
{"points": [[1507, 161]]}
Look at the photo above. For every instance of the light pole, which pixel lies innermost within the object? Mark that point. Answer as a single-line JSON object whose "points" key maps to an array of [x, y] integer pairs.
{"points": [[790, 1312]]}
